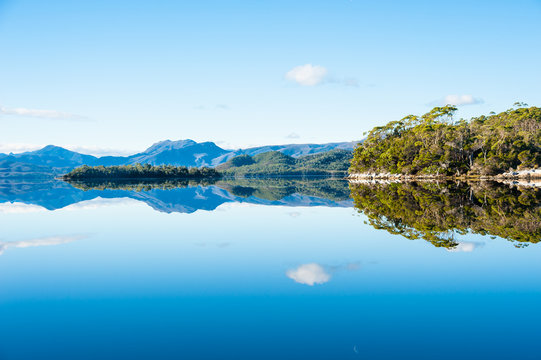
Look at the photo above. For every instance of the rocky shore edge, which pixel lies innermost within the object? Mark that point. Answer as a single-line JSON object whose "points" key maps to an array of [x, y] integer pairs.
{"points": [[526, 177]]}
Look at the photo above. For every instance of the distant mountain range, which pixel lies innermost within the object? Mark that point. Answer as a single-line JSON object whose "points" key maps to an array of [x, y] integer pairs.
{"points": [[54, 160]]}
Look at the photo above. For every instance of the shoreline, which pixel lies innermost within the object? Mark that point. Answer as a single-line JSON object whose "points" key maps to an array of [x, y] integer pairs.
{"points": [[528, 178]]}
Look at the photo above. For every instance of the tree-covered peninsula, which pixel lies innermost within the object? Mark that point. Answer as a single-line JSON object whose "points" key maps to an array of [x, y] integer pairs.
{"points": [[434, 144], [139, 171], [275, 163]]}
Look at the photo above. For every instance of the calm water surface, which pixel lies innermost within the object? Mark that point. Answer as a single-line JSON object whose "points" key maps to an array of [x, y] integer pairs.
{"points": [[274, 269]]}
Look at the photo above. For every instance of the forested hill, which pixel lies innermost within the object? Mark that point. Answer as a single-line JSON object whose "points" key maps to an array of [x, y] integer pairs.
{"points": [[139, 171], [436, 144], [335, 162]]}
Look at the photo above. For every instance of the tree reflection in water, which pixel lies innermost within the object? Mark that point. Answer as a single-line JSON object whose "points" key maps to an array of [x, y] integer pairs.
{"points": [[439, 211]]}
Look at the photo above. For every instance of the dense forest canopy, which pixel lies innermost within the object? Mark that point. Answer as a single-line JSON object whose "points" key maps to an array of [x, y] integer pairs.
{"points": [[334, 162], [139, 171], [440, 212], [436, 144]]}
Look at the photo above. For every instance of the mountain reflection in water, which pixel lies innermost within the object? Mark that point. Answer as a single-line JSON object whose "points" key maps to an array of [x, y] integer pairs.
{"points": [[183, 196], [297, 274], [437, 212]]}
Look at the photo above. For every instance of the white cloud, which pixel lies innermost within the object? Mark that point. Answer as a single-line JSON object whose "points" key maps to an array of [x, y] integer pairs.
{"points": [[44, 114], [99, 151], [461, 100], [293, 136], [226, 145], [307, 75], [311, 75], [466, 246], [44, 241], [18, 148], [88, 150], [309, 274]]}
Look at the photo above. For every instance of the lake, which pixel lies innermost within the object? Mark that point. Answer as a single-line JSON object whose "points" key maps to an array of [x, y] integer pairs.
{"points": [[269, 269]]}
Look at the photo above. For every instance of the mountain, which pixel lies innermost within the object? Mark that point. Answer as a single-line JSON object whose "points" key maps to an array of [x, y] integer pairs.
{"points": [[54, 157], [179, 153], [47, 162], [11, 168], [56, 160], [191, 153], [293, 150], [298, 150]]}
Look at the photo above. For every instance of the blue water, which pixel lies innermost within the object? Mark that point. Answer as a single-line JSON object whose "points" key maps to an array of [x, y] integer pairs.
{"points": [[302, 277]]}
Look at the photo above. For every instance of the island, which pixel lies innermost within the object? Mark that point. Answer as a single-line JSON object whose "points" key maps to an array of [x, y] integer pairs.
{"points": [[435, 145], [138, 171]]}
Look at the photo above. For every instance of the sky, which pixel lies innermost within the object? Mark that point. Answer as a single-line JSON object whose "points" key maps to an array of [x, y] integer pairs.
{"points": [[114, 77]]}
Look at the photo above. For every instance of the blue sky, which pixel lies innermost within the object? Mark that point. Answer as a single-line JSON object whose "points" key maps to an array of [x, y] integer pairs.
{"points": [[106, 76]]}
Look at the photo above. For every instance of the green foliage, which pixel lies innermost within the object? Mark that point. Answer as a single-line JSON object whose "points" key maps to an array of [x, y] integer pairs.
{"points": [[139, 171], [334, 162], [274, 157], [433, 144], [138, 185], [437, 212], [242, 160], [276, 189], [268, 189]]}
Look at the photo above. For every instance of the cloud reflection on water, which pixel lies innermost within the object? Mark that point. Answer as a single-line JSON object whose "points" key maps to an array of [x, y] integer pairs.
{"points": [[466, 246], [43, 241], [314, 273], [309, 274]]}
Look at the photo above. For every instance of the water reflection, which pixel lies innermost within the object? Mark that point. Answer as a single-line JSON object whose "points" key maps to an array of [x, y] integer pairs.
{"points": [[314, 273], [43, 241], [438, 212], [466, 246], [180, 196], [154, 285], [309, 274]]}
